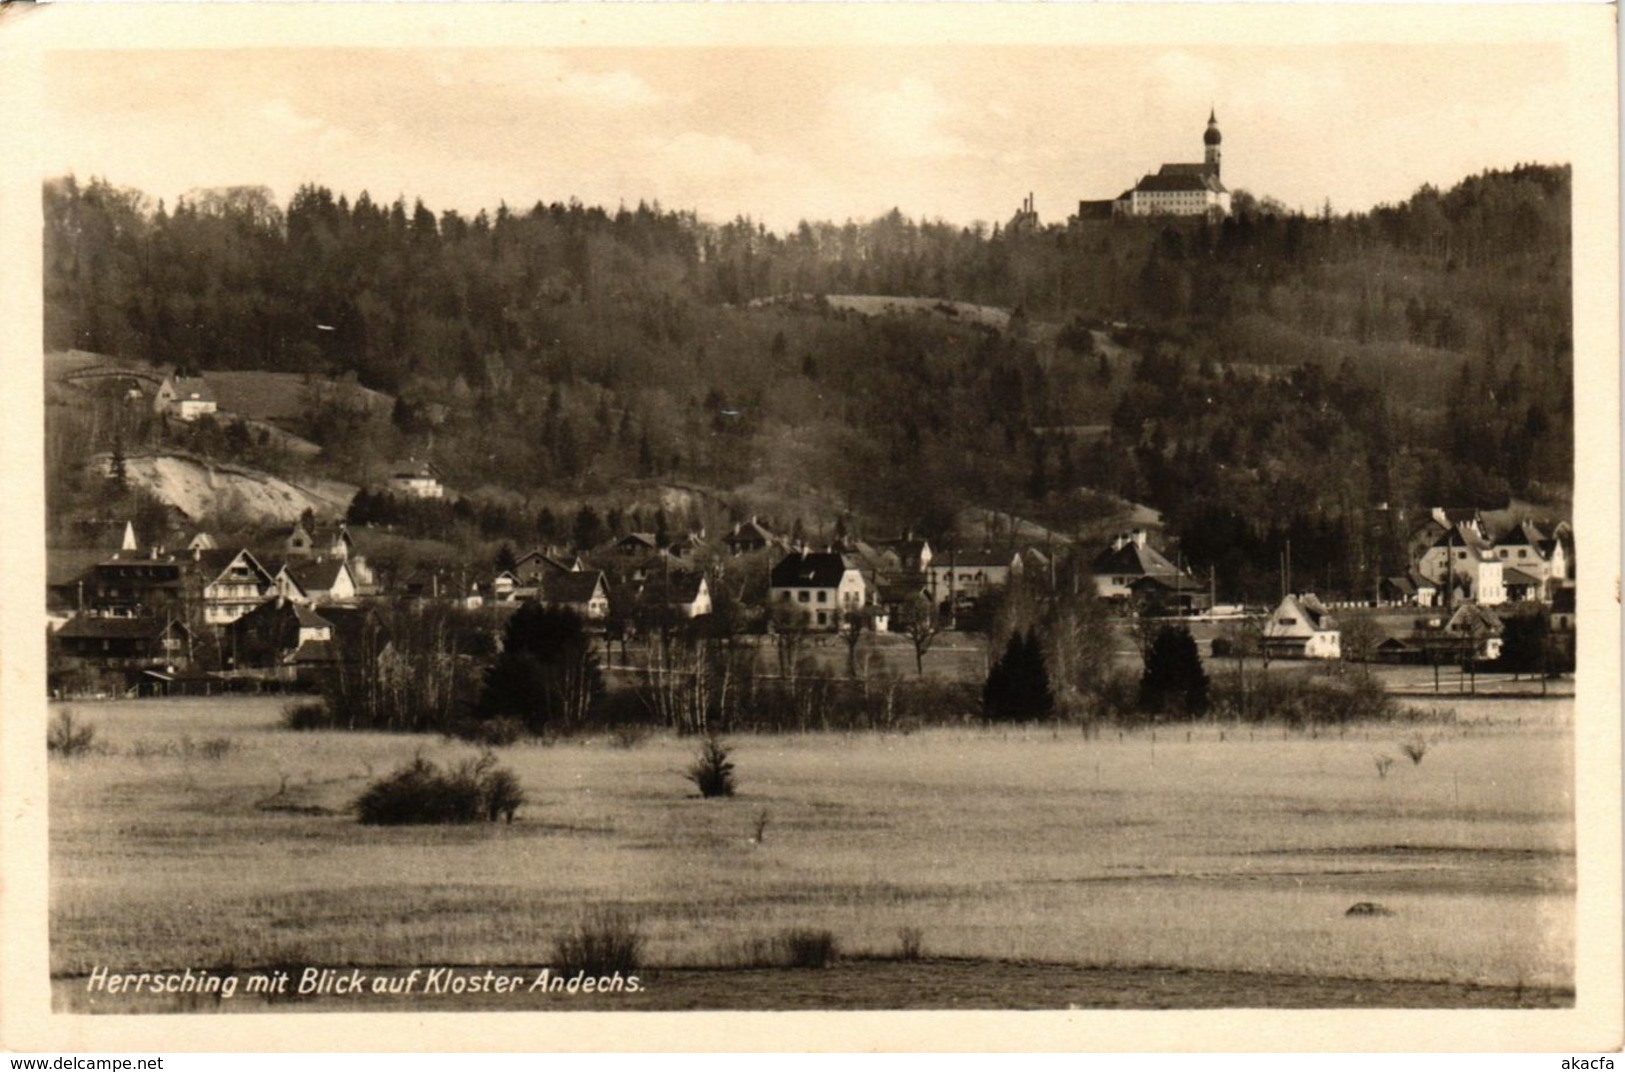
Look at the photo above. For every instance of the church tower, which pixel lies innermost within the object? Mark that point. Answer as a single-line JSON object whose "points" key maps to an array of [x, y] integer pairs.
{"points": [[1211, 140]]}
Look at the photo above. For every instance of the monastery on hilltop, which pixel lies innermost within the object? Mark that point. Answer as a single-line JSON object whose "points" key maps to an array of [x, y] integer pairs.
{"points": [[1175, 190]]}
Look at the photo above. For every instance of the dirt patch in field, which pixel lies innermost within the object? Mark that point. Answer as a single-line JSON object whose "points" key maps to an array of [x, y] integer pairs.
{"points": [[874, 985]]}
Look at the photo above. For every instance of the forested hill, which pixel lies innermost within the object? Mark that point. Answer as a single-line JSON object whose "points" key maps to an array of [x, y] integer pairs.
{"points": [[1279, 373]]}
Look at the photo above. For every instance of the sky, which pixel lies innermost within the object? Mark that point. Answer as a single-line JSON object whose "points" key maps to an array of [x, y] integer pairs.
{"points": [[954, 132]]}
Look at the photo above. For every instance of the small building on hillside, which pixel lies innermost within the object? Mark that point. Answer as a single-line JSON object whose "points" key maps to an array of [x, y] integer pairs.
{"points": [[416, 480], [1302, 628], [749, 536], [184, 397], [817, 587], [1185, 189]]}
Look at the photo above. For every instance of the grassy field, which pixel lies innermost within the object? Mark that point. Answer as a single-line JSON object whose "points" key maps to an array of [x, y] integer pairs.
{"points": [[1227, 851]]}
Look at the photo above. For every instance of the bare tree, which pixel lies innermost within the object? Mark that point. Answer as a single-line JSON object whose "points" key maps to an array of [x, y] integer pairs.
{"points": [[921, 626], [853, 626], [789, 637], [1360, 636]]}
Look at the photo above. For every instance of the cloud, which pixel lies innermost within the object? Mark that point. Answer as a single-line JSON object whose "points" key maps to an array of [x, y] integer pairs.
{"points": [[282, 115], [541, 75], [905, 120], [707, 156]]}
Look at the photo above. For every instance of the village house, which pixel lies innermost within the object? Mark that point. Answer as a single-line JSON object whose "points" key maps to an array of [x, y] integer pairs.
{"points": [[129, 643], [681, 597], [1130, 559], [959, 577], [416, 480], [233, 583], [272, 634], [750, 536], [1302, 628], [913, 555], [327, 580], [1462, 557], [586, 593], [137, 586], [1534, 563], [817, 587], [1410, 590], [184, 397]]}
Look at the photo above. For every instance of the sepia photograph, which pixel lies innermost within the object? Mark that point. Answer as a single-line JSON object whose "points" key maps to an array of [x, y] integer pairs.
{"points": [[815, 511]]}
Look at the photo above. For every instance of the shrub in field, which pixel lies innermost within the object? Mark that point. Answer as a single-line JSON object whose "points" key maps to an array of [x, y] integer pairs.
{"points": [[808, 948], [493, 732], [215, 747], [910, 943], [629, 735], [67, 736], [1415, 749], [1383, 763], [713, 772], [421, 793], [1305, 699], [502, 794], [604, 941], [307, 715]]}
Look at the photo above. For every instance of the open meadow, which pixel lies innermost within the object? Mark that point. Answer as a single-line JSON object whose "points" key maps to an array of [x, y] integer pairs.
{"points": [[205, 836]]}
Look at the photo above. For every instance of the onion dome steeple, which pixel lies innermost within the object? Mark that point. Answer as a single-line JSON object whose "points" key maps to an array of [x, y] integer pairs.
{"points": [[1210, 146]]}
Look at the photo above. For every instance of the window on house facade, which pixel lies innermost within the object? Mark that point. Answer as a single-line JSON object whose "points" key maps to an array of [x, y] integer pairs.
{"points": [[801, 597], [823, 618], [823, 596]]}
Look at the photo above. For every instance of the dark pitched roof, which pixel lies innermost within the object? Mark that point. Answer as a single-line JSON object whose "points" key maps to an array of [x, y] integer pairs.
{"points": [[315, 651], [316, 576], [571, 587], [351, 625], [1178, 182], [1183, 169], [213, 562], [1514, 575], [810, 569], [117, 628], [973, 559], [679, 588], [1134, 559], [192, 388], [750, 532], [308, 618]]}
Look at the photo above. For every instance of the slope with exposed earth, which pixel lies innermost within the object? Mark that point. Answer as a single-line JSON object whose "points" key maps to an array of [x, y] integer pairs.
{"points": [[199, 488]]}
